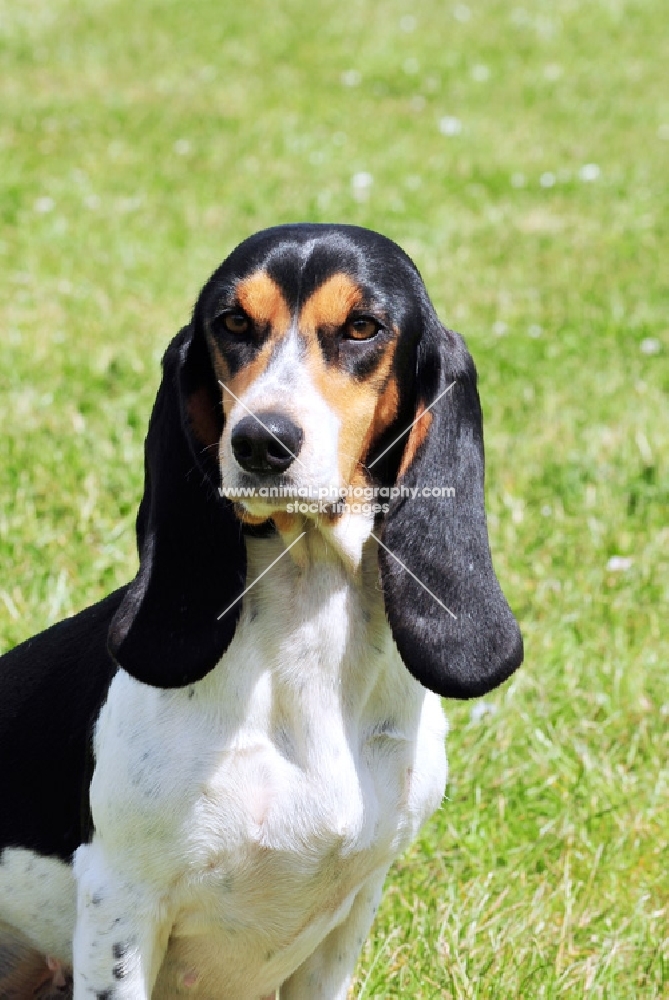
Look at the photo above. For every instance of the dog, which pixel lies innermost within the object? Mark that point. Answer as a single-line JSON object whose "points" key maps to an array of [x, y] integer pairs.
{"points": [[205, 776]]}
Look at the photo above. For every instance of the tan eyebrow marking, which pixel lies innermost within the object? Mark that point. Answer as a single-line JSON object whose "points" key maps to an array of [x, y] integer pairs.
{"points": [[331, 303], [262, 300]]}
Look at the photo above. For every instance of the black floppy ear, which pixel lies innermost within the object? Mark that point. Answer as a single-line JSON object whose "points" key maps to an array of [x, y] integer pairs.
{"points": [[192, 555], [473, 646]]}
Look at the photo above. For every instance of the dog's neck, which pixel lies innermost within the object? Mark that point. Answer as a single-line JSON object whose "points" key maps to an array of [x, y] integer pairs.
{"points": [[315, 666], [299, 555], [317, 597]]}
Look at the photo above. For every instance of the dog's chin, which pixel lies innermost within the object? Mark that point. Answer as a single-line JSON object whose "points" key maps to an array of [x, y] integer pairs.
{"points": [[307, 523], [302, 523]]}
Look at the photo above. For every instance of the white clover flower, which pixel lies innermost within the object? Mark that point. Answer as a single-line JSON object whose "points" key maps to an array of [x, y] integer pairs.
{"points": [[480, 73], [44, 205], [449, 125], [589, 172], [481, 709], [618, 564], [361, 184], [461, 12], [351, 77]]}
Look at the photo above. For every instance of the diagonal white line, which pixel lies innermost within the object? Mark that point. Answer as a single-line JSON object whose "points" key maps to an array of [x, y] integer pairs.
{"points": [[256, 417], [261, 576], [419, 582], [406, 431]]}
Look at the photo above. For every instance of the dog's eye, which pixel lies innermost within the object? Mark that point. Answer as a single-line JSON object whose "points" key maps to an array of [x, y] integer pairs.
{"points": [[235, 322], [362, 328]]}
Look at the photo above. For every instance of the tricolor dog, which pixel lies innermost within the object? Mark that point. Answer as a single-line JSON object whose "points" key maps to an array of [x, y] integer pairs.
{"points": [[205, 777]]}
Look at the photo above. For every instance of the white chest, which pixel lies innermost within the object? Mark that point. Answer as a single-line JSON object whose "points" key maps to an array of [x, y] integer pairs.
{"points": [[267, 794]]}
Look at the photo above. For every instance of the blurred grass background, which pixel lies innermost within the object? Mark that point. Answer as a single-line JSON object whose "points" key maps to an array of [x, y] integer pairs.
{"points": [[520, 154]]}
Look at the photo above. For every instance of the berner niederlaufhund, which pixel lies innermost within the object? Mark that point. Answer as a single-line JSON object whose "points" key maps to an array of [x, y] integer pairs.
{"points": [[205, 777]]}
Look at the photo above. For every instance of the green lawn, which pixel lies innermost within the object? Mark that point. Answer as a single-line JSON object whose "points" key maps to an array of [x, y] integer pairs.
{"points": [[520, 154]]}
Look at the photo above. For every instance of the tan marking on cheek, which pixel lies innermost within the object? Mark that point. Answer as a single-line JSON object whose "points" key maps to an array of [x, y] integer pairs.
{"points": [[202, 416], [356, 413], [417, 435], [363, 408], [261, 298], [353, 402], [385, 414], [331, 303]]}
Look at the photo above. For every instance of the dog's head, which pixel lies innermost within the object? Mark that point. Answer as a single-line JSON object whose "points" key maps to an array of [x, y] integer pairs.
{"points": [[315, 364]]}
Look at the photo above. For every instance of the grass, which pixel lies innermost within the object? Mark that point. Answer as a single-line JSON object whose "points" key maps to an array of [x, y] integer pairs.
{"points": [[519, 153]]}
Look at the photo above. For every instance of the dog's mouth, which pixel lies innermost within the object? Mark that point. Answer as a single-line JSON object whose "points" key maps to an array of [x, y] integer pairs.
{"points": [[258, 500], [304, 515], [281, 501]]}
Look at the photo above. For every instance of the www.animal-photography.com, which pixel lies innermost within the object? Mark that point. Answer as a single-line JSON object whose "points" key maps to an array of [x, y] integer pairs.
{"points": [[333, 500]]}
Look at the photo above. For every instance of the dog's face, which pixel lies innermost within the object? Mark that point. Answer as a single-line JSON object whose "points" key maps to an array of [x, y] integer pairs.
{"points": [[315, 360], [312, 337]]}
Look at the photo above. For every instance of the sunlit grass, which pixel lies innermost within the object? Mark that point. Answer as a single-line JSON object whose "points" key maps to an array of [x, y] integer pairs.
{"points": [[520, 154]]}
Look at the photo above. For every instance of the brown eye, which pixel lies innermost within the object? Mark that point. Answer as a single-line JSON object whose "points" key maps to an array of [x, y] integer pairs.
{"points": [[362, 328], [235, 322]]}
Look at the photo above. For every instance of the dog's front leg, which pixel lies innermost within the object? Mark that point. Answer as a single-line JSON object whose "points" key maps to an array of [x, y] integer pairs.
{"points": [[327, 973], [121, 932]]}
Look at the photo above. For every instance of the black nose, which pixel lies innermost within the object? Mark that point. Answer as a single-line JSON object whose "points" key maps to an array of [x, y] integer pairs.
{"points": [[267, 444]]}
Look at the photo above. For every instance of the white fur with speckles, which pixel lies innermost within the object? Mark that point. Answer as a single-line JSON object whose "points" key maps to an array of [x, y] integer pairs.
{"points": [[245, 824]]}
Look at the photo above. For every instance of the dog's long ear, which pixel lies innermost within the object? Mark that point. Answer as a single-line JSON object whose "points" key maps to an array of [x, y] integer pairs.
{"points": [[191, 548], [473, 646]]}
